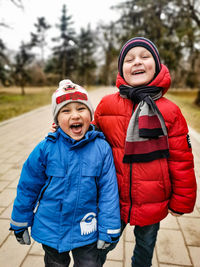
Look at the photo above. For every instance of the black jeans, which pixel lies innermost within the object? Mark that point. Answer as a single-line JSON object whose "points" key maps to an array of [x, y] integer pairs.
{"points": [[86, 256], [145, 242]]}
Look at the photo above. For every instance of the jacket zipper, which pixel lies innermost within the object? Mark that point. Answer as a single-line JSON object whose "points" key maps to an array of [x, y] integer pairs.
{"points": [[131, 167], [41, 195], [129, 214], [96, 182]]}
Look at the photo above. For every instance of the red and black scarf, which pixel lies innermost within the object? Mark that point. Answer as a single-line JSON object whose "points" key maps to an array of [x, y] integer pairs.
{"points": [[146, 137]]}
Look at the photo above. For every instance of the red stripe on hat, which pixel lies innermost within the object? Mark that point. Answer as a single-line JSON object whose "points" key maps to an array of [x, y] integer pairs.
{"points": [[149, 122], [142, 147], [71, 96]]}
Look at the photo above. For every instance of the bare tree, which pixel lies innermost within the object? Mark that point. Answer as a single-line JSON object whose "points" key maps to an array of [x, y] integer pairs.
{"points": [[17, 3], [20, 68]]}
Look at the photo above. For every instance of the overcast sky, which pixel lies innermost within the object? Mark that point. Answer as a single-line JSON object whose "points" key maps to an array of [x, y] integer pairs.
{"points": [[22, 21]]}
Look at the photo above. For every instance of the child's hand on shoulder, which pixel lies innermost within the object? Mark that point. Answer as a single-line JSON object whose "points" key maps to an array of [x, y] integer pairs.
{"points": [[53, 127], [174, 213]]}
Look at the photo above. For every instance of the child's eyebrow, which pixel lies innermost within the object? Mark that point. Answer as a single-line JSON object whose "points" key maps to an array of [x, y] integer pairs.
{"points": [[146, 51], [64, 108]]}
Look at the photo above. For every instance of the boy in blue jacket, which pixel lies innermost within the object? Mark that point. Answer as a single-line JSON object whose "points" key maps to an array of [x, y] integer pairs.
{"points": [[68, 192]]}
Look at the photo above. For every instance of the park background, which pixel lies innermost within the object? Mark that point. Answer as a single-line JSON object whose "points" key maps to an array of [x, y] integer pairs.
{"points": [[35, 56], [55, 49]]}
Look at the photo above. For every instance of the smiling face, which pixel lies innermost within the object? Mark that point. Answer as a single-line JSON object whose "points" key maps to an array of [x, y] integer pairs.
{"points": [[74, 119], [139, 66]]}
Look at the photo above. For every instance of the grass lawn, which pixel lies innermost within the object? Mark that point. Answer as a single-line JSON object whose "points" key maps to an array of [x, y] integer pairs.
{"points": [[185, 100], [12, 103]]}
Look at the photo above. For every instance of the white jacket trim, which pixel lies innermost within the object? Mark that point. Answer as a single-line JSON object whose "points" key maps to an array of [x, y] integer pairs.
{"points": [[19, 224], [115, 231]]}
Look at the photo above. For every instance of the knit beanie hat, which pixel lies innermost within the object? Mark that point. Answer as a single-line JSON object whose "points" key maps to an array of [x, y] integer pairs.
{"points": [[139, 41], [69, 92]]}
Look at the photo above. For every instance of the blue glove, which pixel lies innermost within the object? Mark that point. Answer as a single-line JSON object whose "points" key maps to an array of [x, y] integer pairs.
{"points": [[102, 244], [23, 236]]}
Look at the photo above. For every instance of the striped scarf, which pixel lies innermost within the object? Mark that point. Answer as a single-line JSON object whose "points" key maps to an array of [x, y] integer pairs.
{"points": [[146, 138]]}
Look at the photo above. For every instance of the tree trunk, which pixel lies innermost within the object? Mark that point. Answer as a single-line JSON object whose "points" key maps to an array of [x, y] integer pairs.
{"points": [[22, 90], [64, 66], [197, 100]]}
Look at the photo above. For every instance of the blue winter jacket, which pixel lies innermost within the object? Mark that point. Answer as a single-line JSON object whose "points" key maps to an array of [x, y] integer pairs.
{"points": [[68, 192]]}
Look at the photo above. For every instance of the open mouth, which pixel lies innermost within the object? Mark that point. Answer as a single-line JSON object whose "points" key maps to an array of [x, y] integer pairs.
{"points": [[76, 125], [76, 128], [137, 72]]}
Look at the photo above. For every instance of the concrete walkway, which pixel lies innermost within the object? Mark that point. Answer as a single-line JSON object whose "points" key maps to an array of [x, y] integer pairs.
{"points": [[178, 240]]}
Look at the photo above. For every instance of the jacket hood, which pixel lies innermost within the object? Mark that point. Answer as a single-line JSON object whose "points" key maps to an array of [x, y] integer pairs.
{"points": [[163, 79]]}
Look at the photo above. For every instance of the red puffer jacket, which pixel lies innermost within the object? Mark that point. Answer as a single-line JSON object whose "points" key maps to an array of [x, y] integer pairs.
{"points": [[148, 189]]}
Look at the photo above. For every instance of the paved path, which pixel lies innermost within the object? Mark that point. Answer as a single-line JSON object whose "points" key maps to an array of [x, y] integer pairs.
{"points": [[178, 240]]}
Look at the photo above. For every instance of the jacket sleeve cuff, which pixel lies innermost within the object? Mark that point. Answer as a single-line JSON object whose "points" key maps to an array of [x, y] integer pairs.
{"points": [[18, 225], [110, 237], [181, 213]]}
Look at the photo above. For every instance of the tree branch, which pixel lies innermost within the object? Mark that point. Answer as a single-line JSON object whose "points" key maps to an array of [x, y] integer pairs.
{"points": [[17, 3], [194, 13]]}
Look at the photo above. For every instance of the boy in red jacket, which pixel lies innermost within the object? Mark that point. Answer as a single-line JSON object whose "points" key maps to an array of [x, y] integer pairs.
{"points": [[150, 144]]}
